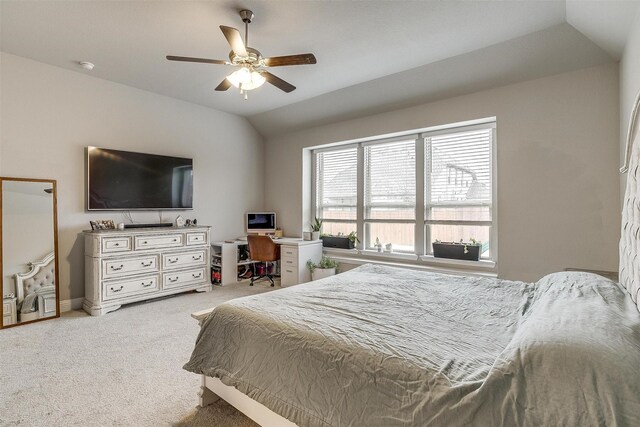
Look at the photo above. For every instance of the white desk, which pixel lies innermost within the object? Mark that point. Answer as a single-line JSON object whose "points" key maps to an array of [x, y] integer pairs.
{"points": [[294, 254]]}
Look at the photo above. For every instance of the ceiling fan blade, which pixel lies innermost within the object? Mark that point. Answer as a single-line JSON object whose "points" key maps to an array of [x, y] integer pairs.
{"points": [[224, 85], [235, 40], [203, 60], [280, 61], [278, 82]]}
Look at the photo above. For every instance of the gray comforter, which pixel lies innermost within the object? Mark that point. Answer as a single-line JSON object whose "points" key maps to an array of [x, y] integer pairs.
{"points": [[382, 346]]}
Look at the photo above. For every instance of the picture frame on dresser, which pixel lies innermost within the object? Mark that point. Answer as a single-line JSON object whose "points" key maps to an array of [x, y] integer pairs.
{"points": [[139, 264]]}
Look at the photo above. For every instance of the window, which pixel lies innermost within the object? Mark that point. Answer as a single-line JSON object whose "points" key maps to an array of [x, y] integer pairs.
{"points": [[390, 194], [411, 190], [458, 187], [336, 187]]}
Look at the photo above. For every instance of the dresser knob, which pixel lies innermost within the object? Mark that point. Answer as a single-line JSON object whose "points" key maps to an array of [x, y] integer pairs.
{"points": [[117, 290], [117, 268]]}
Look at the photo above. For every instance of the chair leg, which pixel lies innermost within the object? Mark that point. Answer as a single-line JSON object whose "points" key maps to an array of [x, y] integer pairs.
{"points": [[253, 273], [267, 272]]}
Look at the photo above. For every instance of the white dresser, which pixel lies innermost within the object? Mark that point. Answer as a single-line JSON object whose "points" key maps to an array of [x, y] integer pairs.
{"points": [[125, 266]]}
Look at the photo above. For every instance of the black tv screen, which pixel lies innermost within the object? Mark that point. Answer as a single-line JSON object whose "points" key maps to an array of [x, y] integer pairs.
{"points": [[123, 180]]}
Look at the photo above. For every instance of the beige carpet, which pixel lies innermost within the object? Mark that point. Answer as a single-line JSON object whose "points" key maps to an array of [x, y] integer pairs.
{"points": [[121, 369]]}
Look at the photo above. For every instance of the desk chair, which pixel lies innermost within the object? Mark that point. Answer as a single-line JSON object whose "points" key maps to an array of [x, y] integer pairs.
{"points": [[263, 249]]}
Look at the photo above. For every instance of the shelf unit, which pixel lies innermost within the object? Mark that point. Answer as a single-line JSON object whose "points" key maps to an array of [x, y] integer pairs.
{"points": [[228, 265]]}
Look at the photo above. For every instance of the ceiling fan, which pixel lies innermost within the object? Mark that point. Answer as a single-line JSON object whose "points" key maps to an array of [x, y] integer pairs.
{"points": [[251, 72]]}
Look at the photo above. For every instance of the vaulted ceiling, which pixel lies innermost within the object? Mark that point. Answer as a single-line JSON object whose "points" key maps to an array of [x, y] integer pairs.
{"points": [[371, 55]]}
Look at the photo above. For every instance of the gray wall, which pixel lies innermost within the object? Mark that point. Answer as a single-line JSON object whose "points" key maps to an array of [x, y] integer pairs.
{"points": [[49, 115], [558, 154]]}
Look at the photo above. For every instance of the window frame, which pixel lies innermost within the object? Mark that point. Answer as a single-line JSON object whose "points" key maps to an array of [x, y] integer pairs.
{"points": [[423, 251]]}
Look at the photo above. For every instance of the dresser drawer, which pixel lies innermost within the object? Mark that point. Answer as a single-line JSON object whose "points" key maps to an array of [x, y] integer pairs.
{"points": [[289, 261], [198, 238], [127, 266], [130, 287], [289, 251], [181, 278], [288, 276], [116, 244], [158, 242], [184, 259]]}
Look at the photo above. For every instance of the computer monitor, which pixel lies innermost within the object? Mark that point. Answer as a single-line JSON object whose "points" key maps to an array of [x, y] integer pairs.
{"points": [[261, 222]]}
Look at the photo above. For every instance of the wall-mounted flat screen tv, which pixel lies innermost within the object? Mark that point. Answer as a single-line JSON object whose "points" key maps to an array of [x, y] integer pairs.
{"points": [[123, 180]]}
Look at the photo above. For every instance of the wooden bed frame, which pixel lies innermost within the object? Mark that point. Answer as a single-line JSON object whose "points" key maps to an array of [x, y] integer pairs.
{"points": [[212, 390]]}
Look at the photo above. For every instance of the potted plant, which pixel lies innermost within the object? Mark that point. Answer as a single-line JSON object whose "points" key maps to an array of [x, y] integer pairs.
{"points": [[325, 268], [316, 226], [469, 251], [340, 241]]}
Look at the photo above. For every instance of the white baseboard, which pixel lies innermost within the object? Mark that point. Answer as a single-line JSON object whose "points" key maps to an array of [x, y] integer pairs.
{"points": [[71, 304]]}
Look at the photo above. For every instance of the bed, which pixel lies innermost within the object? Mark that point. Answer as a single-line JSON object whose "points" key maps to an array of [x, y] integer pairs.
{"points": [[384, 346]]}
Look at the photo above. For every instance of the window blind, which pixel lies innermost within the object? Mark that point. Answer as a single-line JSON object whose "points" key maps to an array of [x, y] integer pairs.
{"points": [[458, 168], [337, 184], [390, 180]]}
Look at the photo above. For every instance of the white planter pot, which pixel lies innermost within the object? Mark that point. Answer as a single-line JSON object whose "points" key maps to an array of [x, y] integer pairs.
{"points": [[321, 273], [315, 235]]}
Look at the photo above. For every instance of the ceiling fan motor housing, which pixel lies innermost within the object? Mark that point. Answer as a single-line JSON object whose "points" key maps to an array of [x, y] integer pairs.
{"points": [[246, 15], [254, 58]]}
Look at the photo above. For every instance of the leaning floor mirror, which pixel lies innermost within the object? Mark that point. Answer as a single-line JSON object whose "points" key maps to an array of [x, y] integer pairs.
{"points": [[29, 251]]}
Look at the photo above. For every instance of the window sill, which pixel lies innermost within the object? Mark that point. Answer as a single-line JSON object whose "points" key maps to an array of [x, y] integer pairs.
{"points": [[423, 262], [482, 264]]}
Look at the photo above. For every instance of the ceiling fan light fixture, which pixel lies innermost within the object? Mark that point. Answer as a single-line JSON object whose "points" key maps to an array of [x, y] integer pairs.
{"points": [[246, 79]]}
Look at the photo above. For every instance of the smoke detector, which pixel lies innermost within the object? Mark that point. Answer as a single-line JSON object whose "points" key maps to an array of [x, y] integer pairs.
{"points": [[86, 65]]}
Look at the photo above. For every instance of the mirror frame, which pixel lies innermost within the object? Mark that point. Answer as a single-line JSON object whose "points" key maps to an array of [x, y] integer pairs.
{"points": [[53, 182]]}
